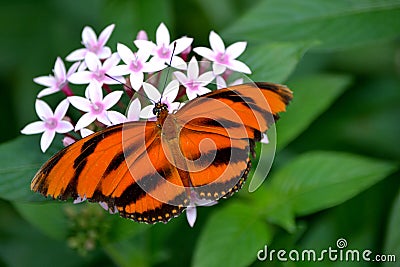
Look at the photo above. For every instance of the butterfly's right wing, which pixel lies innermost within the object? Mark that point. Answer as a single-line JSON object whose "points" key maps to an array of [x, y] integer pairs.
{"points": [[219, 130]]}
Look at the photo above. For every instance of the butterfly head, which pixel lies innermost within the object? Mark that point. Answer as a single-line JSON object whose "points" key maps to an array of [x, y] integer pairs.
{"points": [[160, 108]]}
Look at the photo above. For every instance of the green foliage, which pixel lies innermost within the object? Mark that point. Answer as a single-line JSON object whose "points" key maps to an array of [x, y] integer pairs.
{"points": [[336, 171]]}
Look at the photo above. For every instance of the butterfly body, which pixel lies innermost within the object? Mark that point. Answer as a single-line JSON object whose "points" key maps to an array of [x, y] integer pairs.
{"points": [[149, 170]]}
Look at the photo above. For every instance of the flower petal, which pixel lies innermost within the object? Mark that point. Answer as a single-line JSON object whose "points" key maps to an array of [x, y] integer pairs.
{"points": [[181, 77], [73, 68], [236, 49], [111, 62], [89, 37], [81, 77], [105, 35], [95, 92], [103, 118], [178, 63], [119, 70], [115, 117], [144, 44], [59, 70], [48, 91], [134, 110], [64, 127], [171, 91], [86, 132], [34, 128], [61, 109], [147, 112], [111, 99], [92, 61], [181, 44], [125, 53], [104, 52], [162, 35], [221, 83], [218, 69], [239, 66], [264, 139], [206, 78], [43, 110], [191, 215], [77, 54], [80, 103], [151, 92], [193, 69], [136, 79], [46, 139], [216, 43], [205, 52], [84, 121], [48, 81]]}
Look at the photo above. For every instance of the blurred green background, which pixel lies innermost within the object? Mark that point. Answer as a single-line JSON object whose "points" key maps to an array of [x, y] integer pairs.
{"points": [[336, 170]]}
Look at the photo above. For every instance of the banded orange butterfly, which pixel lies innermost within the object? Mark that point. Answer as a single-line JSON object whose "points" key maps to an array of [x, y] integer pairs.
{"points": [[148, 170]]}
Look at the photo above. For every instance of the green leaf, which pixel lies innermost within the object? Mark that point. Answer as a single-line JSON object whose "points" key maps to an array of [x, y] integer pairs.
{"points": [[318, 180], [274, 62], [392, 243], [312, 95], [48, 217], [20, 159], [334, 23], [231, 237]]}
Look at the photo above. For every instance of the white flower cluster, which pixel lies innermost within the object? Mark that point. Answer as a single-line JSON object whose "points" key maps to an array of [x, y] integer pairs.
{"points": [[97, 67]]}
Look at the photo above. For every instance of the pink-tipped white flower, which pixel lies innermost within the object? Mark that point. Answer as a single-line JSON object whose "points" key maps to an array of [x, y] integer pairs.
{"points": [[194, 83], [92, 44], [135, 65], [97, 71], [162, 50], [58, 81], [168, 97], [132, 114], [223, 58], [94, 105], [50, 124]]}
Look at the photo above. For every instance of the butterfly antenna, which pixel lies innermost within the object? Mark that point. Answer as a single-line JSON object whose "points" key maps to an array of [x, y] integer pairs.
{"points": [[129, 87], [169, 68]]}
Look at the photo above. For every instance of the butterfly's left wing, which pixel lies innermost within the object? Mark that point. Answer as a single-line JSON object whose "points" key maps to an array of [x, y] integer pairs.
{"points": [[122, 167], [219, 130]]}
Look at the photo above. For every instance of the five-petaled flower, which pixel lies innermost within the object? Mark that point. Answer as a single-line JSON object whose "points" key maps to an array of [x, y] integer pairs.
{"points": [[94, 105], [168, 97], [223, 58], [50, 124], [58, 82], [194, 83], [92, 44], [165, 51], [97, 71], [135, 65]]}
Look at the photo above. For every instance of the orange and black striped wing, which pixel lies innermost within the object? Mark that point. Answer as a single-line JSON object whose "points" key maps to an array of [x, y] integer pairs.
{"points": [[122, 166], [220, 129]]}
